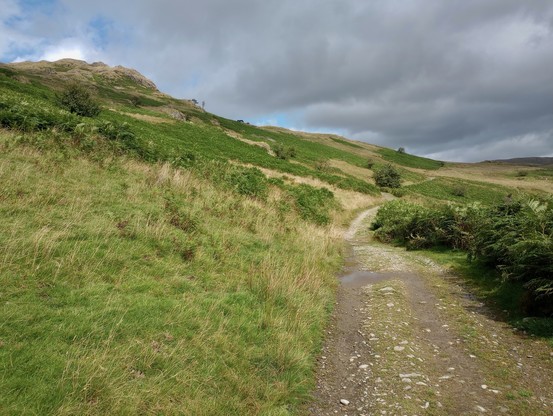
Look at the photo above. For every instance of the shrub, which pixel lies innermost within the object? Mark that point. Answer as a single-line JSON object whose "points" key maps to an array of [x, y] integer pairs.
{"points": [[459, 190], [370, 163], [515, 238], [77, 99], [323, 165], [284, 152], [387, 176], [135, 101]]}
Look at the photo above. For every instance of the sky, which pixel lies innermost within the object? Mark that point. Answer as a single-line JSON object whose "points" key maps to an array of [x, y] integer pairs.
{"points": [[454, 80]]}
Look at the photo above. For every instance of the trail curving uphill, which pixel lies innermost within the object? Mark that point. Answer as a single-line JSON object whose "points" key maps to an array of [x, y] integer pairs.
{"points": [[408, 339]]}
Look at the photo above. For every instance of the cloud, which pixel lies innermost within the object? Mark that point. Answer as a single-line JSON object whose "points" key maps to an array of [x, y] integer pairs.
{"points": [[438, 78], [69, 48]]}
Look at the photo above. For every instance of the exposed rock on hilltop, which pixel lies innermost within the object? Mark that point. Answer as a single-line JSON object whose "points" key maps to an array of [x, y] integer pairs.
{"points": [[73, 69]]}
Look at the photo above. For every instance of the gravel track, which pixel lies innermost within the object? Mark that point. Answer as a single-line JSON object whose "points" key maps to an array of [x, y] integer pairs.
{"points": [[407, 338]]}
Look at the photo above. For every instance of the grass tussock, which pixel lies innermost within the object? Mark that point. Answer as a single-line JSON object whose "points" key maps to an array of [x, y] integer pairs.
{"points": [[130, 288]]}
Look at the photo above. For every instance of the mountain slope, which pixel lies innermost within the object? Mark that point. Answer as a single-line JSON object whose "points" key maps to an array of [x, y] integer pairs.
{"points": [[160, 259]]}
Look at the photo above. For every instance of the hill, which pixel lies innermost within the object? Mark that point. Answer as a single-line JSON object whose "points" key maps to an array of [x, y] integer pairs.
{"points": [[529, 161], [161, 259]]}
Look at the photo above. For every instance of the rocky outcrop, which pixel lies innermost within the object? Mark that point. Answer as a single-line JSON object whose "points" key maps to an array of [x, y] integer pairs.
{"points": [[83, 71]]}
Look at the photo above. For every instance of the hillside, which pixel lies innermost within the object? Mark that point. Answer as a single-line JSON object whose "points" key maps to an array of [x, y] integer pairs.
{"points": [[160, 259], [529, 161]]}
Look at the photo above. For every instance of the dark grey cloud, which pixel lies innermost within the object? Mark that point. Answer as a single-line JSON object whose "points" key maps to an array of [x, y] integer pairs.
{"points": [[464, 80]]}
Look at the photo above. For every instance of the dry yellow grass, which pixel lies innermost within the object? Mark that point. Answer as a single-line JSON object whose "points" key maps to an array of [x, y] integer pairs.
{"points": [[496, 173], [238, 136], [356, 171], [148, 118]]}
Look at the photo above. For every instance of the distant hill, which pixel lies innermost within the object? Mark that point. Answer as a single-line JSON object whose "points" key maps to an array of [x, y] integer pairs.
{"points": [[529, 161]]}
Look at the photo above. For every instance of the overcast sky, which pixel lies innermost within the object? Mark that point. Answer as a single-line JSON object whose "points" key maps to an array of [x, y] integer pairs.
{"points": [[454, 80]]}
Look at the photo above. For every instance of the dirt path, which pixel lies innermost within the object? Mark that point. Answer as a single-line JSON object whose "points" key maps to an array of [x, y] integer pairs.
{"points": [[408, 339]]}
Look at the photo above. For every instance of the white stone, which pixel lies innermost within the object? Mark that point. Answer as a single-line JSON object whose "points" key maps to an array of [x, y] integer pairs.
{"points": [[481, 409], [344, 402], [364, 366], [411, 375], [398, 348]]}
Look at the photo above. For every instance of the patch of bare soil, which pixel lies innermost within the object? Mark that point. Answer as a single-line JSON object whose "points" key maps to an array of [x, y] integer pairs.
{"points": [[408, 339]]}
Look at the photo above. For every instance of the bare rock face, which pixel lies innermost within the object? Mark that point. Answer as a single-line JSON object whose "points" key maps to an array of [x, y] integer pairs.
{"points": [[135, 76]]}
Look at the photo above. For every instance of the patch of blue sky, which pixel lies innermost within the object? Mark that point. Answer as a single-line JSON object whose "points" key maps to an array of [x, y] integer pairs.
{"points": [[294, 120], [101, 28], [274, 119], [47, 7], [16, 52]]}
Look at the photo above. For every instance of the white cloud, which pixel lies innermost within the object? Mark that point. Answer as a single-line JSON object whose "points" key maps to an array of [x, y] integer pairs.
{"points": [[67, 49], [426, 75]]}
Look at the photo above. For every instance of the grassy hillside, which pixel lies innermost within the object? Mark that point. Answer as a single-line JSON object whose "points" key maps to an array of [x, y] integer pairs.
{"points": [[144, 270], [135, 288], [159, 259]]}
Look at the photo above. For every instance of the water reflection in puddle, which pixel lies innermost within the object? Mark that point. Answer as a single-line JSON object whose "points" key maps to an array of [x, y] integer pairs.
{"points": [[360, 278]]}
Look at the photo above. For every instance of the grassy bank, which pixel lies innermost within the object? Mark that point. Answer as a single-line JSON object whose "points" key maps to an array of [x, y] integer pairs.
{"points": [[505, 297], [134, 288]]}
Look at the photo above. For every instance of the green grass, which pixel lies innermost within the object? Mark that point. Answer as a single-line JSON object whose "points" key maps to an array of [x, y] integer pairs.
{"points": [[504, 296], [543, 173], [169, 141], [130, 288], [346, 143], [463, 191], [408, 160]]}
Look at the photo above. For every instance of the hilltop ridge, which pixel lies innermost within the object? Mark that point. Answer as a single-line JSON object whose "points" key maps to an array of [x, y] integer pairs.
{"points": [[76, 70]]}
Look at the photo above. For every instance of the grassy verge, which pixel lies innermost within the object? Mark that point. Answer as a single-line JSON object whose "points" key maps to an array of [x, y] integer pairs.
{"points": [[132, 288], [503, 296]]}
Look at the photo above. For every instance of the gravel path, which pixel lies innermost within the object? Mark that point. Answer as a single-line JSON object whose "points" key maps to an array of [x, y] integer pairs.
{"points": [[408, 339]]}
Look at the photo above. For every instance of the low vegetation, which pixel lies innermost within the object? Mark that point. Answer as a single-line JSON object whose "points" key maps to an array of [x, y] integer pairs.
{"points": [[130, 287], [515, 238], [461, 191], [412, 161], [387, 177], [142, 272]]}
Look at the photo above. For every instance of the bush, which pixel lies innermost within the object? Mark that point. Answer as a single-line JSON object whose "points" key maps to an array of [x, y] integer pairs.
{"points": [[388, 177], [77, 99], [515, 238], [323, 165], [459, 190], [284, 152]]}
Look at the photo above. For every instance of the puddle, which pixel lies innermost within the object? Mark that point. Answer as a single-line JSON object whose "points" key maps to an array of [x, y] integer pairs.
{"points": [[360, 278]]}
